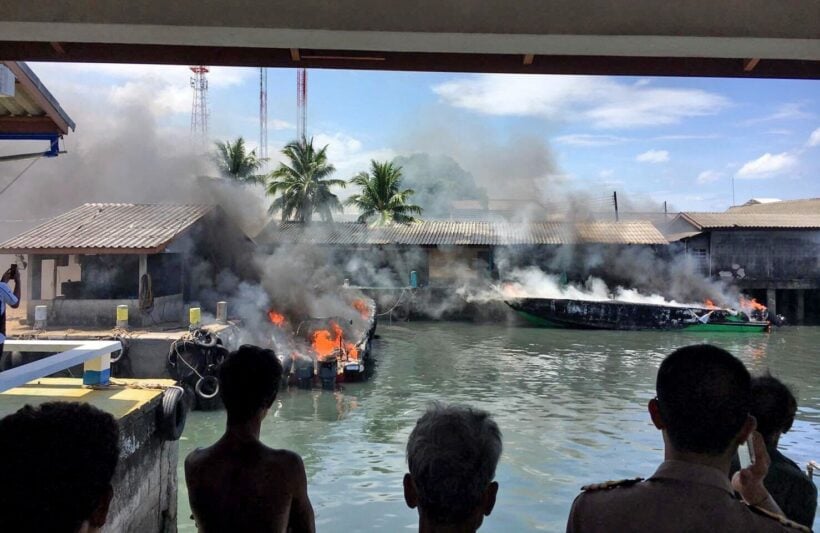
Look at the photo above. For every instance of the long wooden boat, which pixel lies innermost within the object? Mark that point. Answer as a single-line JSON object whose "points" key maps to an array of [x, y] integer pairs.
{"points": [[617, 315]]}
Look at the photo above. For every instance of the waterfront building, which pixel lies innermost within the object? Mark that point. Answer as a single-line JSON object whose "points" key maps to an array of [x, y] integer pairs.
{"points": [[151, 258], [770, 250]]}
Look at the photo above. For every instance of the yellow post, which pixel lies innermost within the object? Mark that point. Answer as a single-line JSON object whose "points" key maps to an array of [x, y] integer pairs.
{"points": [[122, 316], [195, 317]]}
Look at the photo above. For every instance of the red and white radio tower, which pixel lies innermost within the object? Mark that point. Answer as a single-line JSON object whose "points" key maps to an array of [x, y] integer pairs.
{"points": [[263, 113], [199, 107], [301, 103]]}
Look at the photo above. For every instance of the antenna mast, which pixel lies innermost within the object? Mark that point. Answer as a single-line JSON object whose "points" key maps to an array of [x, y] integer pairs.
{"points": [[301, 104], [263, 113], [199, 107]]}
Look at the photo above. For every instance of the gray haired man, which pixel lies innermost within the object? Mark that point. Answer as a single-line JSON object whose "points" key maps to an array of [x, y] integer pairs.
{"points": [[452, 454]]}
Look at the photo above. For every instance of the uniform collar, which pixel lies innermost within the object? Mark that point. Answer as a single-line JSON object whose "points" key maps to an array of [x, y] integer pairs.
{"points": [[693, 473]]}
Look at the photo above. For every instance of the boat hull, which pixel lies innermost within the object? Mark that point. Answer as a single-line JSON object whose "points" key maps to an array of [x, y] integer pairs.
{"points": [[614, 315]]}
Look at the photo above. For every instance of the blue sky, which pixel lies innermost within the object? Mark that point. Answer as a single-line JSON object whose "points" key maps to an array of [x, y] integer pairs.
{"points": [[680, 140]]}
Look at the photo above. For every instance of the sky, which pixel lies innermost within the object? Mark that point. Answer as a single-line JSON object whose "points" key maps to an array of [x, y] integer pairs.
{"points": [[685, 141]]}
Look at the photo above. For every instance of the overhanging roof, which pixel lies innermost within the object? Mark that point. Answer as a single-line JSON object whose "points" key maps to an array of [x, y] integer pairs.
{"points": [[33, 109], [109, 229], [450, 233], [753, 38], [806, 206], [746, 220]]}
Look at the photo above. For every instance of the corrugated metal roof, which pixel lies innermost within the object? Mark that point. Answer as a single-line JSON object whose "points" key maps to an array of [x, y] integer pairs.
{"points": [[806, 206], [468, 233], [31, 104], [109, 228], [746, 220]]}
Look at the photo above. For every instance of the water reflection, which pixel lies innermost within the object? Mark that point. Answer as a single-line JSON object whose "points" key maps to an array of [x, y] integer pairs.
{"points": [[571, 405]]}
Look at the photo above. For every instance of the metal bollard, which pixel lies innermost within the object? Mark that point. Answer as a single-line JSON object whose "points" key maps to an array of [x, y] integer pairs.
{"points": [[222, 312], [122, 316], [195, 317], [40, 317]]}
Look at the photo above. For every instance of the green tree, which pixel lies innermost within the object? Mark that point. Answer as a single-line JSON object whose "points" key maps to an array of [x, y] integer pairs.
{"points": [[302, 184], [235, 162], [381, 196]]}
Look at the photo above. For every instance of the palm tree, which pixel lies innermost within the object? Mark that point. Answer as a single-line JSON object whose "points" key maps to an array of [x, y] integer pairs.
{"points": [[303, 185], [236, 163], [381, 195]]}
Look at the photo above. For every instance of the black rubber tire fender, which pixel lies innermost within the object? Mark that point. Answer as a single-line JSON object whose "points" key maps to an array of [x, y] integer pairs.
{"points": [[172, 414], [207, 379], [205, 339], [119, 353]]}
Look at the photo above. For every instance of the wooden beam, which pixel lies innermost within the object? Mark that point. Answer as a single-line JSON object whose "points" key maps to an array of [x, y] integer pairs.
{"points": [[294, 54], [28, 125], [58, 48], [750, 64], [528, 59]]}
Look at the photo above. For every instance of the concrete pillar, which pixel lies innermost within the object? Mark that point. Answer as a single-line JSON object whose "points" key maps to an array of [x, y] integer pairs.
{"points": [[122, 316], [800, 317], [222, 312], [40, 317], [771, 301], [97, 371]]}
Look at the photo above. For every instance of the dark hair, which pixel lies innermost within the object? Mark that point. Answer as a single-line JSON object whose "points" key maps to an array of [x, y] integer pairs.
{"points": [[773, 405], [56, 465], [704, 395], [452, 454], [248, 381]]}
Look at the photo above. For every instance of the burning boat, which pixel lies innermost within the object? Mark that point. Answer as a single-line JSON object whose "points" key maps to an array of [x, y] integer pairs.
{"points": [[620, 315], [326, 350]]}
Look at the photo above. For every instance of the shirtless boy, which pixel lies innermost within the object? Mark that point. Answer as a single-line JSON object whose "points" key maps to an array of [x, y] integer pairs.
{"points": [[238, 483]]}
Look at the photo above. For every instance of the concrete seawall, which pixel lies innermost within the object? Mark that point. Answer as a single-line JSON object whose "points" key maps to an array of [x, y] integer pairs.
{"points": [[145, 482]]}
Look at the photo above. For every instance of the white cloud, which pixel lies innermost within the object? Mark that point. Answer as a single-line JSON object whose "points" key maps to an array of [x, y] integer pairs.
{"points": [[685, 137], [606, 173], [583, 139], [787, 111], [653, 156], [814, 138], [767, 165], [279, 124], [708, 176], [348, 154], [603, 102]]}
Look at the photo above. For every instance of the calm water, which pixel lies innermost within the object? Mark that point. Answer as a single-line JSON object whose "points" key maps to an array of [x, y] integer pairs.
{"points": [[571, 405]]}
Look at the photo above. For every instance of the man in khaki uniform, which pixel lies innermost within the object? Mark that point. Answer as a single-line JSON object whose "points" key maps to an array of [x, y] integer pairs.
{"points": [[702, 409]]}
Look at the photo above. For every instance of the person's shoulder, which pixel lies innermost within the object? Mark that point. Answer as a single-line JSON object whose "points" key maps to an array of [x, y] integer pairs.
{"points": [[611, 484], [774, 518], [283, 458], [195, 458]]}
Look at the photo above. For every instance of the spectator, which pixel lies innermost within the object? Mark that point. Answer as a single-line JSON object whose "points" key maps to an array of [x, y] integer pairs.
{"points": [[774, 407], [452, 455], [57, 463], [8, 298], [702, 409], [238, 483]]}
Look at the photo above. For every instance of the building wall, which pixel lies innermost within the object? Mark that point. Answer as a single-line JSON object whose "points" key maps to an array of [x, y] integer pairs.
{"points": [[448, 264], [102, 313], [145, 482], [752, 258]]}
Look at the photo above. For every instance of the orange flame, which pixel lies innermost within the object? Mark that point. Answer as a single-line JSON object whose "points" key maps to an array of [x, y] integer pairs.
{"points": [[276, 318], [326, 343], [709, 304], [751, 303], [362, 308]]}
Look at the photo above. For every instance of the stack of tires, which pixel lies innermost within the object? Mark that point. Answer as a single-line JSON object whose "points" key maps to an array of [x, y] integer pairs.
{"points": [[194, 362]]}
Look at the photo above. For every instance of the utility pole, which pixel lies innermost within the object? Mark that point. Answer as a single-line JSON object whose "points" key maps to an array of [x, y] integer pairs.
{"points": [[615, 201]]}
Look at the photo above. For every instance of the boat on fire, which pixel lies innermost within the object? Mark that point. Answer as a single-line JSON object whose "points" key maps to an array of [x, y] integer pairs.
{"points": [[326, 351], [619, 315]]}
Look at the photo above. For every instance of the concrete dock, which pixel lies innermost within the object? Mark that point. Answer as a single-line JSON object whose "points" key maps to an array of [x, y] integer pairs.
{"points": [[145, 482]]}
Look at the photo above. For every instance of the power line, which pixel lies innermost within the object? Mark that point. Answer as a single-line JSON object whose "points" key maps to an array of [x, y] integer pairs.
{"points": [[19, 175]]}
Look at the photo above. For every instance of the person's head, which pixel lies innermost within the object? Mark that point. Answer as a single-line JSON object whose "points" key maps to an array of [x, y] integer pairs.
{"points": [[773, 406], [703, 400], [56, 465], [248, 382], [452, 454]]}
